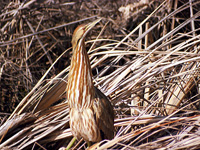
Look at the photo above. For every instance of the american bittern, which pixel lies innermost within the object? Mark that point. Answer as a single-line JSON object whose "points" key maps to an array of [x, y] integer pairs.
{"points": [[91, 113]]}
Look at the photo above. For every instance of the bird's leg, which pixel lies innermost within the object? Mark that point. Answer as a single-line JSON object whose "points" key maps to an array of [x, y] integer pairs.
{"points": [[89, 144], [71, 143]]}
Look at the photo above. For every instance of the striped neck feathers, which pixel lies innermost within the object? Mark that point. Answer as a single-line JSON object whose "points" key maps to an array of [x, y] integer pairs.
{"points": [[80, 85]]}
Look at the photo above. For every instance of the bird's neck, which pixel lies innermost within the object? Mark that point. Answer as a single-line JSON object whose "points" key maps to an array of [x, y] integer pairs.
{"points": [[80, 84]]}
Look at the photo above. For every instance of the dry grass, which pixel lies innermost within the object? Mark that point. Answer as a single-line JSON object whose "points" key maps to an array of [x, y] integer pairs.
{"points": [[145, 58]]}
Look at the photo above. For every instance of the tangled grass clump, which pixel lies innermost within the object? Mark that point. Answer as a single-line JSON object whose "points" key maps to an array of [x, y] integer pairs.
{"points": [[145, 58]]}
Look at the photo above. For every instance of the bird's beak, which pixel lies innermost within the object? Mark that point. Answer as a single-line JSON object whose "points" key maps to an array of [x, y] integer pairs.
{"points": [[91, 25]]}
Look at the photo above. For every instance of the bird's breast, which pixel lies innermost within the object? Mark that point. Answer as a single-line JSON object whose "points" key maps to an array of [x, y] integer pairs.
{"points": [[83, 124]]}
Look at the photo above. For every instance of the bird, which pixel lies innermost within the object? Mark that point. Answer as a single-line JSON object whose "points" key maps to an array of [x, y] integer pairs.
{"points": [[91, 112]]}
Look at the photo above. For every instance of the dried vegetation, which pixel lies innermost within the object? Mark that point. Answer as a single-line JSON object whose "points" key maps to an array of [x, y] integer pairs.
{"points": [[145, 58]]}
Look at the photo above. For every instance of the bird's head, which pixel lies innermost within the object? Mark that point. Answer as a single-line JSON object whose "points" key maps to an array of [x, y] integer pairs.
{"points": [[81, 31]]}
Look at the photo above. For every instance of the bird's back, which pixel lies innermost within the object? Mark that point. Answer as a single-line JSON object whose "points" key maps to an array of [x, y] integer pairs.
{"points": [[104, 115]]}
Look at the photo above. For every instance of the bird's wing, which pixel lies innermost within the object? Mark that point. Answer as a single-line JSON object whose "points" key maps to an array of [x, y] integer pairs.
{"points": [[104, 115]]}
